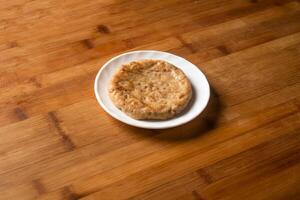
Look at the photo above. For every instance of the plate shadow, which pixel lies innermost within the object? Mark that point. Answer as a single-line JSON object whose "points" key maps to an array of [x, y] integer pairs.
{"points": [[205, 122]]}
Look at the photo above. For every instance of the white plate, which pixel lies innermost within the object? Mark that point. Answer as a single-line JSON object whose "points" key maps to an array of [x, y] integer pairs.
{"points": [[199, 83]]}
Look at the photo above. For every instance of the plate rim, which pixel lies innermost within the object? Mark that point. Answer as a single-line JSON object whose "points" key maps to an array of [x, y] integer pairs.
{"points": [[146, 126]]}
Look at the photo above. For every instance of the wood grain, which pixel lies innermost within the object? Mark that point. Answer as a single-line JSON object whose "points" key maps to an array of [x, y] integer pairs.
{"points": [[56, 143]]}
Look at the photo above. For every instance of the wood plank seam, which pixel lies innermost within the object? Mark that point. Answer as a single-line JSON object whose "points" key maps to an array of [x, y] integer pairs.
{"points": [[205, 176], [69, 194], [189, 46], [223, 49], [20, 113], [35, 81], [197, 195], [57, 125], [297, 103], [103, 29], [39, 187], [88, 43]]}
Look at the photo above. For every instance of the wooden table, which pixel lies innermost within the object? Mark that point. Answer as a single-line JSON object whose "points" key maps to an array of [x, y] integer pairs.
{"points": [[57, 143]]}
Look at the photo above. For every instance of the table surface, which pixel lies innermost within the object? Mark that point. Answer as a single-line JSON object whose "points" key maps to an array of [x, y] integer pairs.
{"points": [[57, 143]]}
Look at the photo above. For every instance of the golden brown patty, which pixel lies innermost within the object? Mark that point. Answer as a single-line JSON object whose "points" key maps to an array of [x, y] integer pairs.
{"points": [[150, 89]]}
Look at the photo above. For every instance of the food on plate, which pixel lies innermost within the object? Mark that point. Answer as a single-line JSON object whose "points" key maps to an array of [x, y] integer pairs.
{"points": [[150, 89]]}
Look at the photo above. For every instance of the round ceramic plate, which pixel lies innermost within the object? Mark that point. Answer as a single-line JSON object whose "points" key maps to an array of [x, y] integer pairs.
{"points": [[199, 83]]}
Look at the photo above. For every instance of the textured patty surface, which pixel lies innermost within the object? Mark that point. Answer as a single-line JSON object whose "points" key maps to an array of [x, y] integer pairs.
{"points": [[150, 89]]}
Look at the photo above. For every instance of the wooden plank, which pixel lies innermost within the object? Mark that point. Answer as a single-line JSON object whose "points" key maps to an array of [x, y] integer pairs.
{"points": [[60, 88], [258, 180], [173, 190], [275, 151], [73, 75], [66, 163], [28, 142], [260, 103], [21, 191], [254, 158], [87, 34], [153, 175], [249, 31], [41, 78], [249, 62]]}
